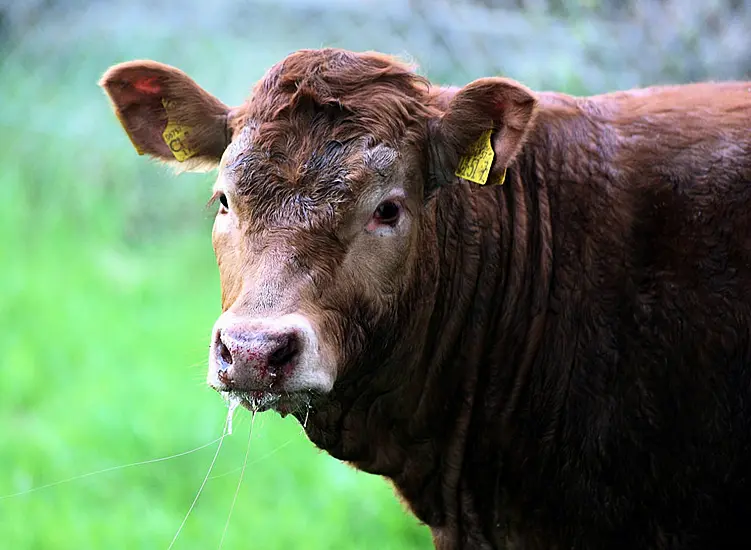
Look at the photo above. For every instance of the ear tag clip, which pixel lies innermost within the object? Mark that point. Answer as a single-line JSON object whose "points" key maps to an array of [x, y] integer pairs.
{"points": [[475, 165], [175, 136]]}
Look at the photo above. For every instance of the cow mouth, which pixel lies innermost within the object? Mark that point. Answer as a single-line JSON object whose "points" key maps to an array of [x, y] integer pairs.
{"points": [[257, 401]]}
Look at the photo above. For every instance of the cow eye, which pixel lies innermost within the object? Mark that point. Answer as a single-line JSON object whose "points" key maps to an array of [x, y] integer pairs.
{"points": [[387, 213], [224, 205]]}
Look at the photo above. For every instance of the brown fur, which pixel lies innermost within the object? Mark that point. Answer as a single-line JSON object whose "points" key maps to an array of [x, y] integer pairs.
{"points": [[560, 362]]}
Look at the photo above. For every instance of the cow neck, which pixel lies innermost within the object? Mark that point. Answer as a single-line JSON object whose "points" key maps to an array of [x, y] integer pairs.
{"points": [[470, 338], [490, 309]]}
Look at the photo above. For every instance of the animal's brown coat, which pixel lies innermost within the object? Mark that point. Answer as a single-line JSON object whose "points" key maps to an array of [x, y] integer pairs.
{"points": [[560, 362]]}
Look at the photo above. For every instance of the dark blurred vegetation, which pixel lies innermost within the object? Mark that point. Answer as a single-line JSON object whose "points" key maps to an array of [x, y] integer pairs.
{"points": [[108, 287]]}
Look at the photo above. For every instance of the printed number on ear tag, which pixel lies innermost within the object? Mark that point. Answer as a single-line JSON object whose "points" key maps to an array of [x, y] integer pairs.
{"points": [[175, 136], [475, 165]]}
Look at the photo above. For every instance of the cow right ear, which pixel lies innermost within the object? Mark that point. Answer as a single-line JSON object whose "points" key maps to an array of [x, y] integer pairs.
{"points": [[167, 115], [482, 129]]}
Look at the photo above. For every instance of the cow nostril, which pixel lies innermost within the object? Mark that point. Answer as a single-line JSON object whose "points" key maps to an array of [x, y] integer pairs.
{"points": [[285, 353], [223, 350]]}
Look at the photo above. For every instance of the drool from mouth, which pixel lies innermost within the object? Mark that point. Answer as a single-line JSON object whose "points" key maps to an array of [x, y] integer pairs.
{"points": [[260, 401]]}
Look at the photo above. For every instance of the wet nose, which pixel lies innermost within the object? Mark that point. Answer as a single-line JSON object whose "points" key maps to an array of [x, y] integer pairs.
{"points": [[250, 358]]}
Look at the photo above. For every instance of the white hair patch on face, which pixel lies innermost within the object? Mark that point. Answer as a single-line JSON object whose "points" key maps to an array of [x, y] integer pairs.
{"points": [[380, 158]]}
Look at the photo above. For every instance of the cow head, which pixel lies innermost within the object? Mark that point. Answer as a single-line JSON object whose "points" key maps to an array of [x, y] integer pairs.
{"points": [[326, 220]]}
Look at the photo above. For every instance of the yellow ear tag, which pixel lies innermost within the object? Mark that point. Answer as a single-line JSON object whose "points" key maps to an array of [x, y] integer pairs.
{"points": [[175, 135], [502, 178], [476, 163]]}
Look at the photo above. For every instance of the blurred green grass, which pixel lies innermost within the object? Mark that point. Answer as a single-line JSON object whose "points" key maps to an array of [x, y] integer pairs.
{"points": [[108, 291], [108, 285]]}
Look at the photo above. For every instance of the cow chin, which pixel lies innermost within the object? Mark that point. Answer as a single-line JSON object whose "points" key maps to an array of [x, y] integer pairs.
{"points": [[268, 363], [260, 401]]}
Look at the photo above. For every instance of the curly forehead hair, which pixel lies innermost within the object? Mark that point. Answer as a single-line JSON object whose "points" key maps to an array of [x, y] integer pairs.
{"points": [[357, 93]]}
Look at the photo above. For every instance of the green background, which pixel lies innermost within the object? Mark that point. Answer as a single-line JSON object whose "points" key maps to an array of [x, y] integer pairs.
{"points": [[108, 286]]}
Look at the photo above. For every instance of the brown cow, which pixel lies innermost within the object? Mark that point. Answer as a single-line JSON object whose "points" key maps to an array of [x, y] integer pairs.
{"points": [[562, 361]]}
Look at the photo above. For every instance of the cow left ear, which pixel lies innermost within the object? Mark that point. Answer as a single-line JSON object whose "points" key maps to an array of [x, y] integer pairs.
{"points": [[481, 132], [168, 116]]}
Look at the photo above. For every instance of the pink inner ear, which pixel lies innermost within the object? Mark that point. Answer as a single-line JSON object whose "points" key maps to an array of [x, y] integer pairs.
{"points": [[149, 85]]}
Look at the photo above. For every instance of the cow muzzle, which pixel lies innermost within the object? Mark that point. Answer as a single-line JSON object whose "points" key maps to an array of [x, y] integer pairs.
{"points": [[267, 363]]}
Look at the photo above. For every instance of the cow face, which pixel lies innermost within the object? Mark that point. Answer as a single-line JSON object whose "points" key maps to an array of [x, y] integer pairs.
{"points": [[315, 245], [325, 224]]}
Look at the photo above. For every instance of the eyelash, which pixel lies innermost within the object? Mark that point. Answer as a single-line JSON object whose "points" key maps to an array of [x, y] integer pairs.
{"points": [[223, 202]]}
